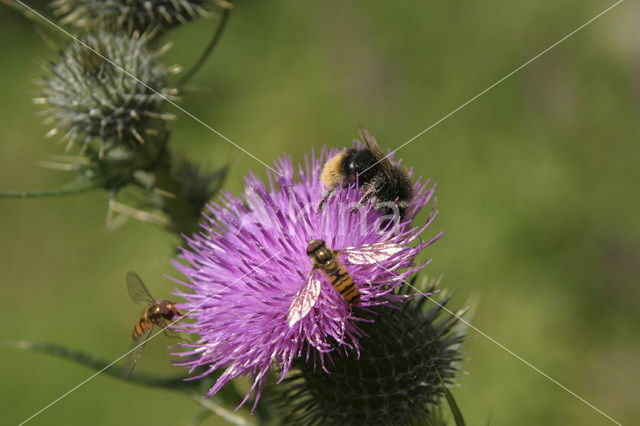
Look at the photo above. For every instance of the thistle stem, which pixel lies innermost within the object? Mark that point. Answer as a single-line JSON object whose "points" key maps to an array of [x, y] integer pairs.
{"points": [[70, 189], [98, 364], [208, 49], [176, 383]]}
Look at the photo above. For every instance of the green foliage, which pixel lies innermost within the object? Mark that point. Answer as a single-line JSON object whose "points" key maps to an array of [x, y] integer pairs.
{"points": [[453, 405]]}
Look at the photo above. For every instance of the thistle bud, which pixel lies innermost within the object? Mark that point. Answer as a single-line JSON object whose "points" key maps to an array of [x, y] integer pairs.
{"points": [[107, 86], [130, 15], [191, 187]]}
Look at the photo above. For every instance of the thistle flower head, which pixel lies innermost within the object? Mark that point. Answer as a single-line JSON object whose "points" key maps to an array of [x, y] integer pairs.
{"points": [[245, 269], [398, 379], [108, 86], [130, 15]]}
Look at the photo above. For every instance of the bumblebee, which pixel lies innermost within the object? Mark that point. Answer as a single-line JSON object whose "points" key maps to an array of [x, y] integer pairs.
{"points": [[387, 183]]}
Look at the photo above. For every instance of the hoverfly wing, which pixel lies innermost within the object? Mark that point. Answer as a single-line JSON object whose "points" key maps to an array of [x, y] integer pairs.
{"points": [[135, 352], [370, 253], [137, 290], [380, 156], [305, 299]]}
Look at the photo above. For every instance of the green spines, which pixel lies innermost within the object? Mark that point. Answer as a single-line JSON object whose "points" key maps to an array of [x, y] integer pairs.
{"points": [[393, 381], [130, 16], [108, 86]]}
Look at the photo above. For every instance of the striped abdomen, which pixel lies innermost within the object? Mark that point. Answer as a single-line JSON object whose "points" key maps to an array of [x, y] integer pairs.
{"points": [[326, 259], [143, 324], [343, 283]]}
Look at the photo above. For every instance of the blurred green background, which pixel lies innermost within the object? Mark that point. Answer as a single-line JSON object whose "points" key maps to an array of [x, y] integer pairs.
{"points": [[537, 192]]}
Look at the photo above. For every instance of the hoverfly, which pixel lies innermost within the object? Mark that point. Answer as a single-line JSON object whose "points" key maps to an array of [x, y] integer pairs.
{"points": [[157, 313], [330, 262]]}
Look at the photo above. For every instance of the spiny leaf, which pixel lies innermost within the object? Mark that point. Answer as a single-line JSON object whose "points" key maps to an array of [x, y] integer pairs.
{"points": [[453, 406]]}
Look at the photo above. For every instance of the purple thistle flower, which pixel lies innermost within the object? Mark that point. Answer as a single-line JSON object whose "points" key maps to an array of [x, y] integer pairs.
{"points": [[247, 265]]}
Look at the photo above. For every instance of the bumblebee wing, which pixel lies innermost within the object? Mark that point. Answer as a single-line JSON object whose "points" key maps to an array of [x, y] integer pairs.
{"points": [[305, 299], [137, 290], [377, 152], [135, 351], [370, 253]]}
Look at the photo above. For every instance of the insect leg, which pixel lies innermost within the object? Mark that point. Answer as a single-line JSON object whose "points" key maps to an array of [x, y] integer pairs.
{"points": [[172, 335], [366, 197], [327, 196]]}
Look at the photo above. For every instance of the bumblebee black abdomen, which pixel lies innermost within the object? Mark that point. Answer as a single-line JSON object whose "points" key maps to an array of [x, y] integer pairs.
{"points": [[399, 192]]}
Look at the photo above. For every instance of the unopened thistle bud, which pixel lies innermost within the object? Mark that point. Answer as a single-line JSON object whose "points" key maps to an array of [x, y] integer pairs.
{"points": [[397, 378], [130, 15], [192, 186], [108, 86]]}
